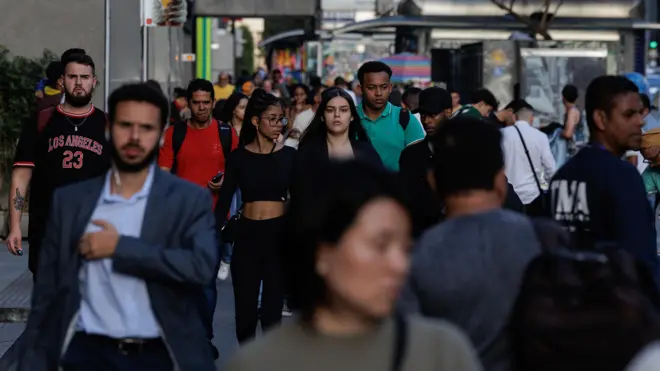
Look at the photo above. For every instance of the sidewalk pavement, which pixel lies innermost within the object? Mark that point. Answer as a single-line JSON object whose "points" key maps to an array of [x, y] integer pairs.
{"points": [[15, 292]]}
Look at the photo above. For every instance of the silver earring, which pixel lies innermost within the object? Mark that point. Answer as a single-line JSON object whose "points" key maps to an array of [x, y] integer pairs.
{"points": [[107, 136]]}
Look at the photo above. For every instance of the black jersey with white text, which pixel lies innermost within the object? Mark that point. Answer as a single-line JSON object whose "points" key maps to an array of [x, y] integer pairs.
{"points": [[68, 149]]}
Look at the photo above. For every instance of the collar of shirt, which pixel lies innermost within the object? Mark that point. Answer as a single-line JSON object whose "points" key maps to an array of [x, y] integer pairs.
{"points": [[386, 112], [522, 122], [108, 197]]}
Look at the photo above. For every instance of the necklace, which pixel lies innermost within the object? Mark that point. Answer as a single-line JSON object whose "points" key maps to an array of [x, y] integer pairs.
{"points": [[75, 126]]}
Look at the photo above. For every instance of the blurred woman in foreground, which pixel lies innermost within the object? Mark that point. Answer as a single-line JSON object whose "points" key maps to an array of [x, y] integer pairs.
{"points": [[347, 267]]}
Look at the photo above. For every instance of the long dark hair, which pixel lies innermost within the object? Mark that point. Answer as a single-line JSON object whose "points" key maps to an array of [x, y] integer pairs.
{"points": [[226, 114], [257, 105], [318, 131]]}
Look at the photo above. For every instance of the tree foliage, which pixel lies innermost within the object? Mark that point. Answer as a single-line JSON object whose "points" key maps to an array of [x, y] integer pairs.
{"points": [[246, 61], [539, 22], [18, 77]]}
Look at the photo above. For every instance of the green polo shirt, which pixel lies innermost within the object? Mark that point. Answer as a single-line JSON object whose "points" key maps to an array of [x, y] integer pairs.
{"points": [[468, 111], [388, 137]]}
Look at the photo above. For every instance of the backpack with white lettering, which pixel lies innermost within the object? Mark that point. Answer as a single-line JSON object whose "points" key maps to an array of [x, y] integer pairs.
{"points": [[582, 310]]}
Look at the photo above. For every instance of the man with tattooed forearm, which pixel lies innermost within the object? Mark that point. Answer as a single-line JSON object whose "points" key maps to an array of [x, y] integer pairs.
{"points": [[61, 145]]}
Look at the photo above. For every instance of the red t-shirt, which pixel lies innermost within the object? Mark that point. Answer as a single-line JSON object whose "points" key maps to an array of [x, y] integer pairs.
{"points": [[200, 157]]}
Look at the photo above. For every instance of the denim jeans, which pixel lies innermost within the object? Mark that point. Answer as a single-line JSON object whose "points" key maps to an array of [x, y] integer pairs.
{"points": [[227, 249]]}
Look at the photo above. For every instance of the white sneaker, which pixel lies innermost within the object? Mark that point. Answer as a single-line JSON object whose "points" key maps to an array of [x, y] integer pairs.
{"points": [[286, 312], [223, 272]]}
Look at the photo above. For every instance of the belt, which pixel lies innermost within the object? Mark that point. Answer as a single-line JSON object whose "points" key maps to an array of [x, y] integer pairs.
{"points": [[126, 346]]}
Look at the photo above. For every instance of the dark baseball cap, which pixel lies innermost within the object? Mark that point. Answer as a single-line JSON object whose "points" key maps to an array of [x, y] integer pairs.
{"points": [[433, 100], [518, 105]]}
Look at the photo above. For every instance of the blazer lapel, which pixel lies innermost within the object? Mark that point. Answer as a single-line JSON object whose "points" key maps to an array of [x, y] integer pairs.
{"points": [[153, 213], [88, 203]]}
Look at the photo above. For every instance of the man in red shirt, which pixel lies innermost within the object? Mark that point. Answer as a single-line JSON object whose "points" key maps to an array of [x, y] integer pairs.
{"points": [[195, 150]]}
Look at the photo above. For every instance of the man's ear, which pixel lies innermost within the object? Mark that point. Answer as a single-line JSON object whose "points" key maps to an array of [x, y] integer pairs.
{"points": [[600, 118]]}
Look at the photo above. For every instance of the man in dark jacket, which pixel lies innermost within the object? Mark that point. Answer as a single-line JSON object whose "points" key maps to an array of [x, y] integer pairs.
{"points": [[417, 159]]}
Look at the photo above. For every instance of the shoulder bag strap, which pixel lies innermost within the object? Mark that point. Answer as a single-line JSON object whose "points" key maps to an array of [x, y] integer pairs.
{"points": [[400, 341], [531, 164]]}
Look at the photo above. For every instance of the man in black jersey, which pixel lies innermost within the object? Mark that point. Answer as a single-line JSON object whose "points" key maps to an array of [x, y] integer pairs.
{"points": [[60, 146]]}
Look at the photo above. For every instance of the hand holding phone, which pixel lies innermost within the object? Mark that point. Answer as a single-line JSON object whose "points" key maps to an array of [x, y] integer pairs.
{"points": [[216, 179]]}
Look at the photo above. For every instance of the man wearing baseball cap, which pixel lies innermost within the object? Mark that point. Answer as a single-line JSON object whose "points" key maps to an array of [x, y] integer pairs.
{"points": [[435, 106]]}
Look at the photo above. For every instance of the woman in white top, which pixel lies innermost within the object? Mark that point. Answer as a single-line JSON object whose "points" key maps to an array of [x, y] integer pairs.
{"points": [[304, 118]]}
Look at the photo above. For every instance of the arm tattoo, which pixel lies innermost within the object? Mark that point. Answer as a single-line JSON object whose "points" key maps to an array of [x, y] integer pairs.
{"points": [[19, 201]]}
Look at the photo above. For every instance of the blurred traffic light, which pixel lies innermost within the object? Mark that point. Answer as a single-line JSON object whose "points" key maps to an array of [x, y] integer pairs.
{"points": [[653, 45]]}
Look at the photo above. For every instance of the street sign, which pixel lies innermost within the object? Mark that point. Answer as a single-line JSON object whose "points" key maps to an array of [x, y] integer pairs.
{"points": [[164, 13]]}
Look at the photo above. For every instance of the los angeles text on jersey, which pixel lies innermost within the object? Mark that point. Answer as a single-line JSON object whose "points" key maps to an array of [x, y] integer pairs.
{"points": [[76, 141]]}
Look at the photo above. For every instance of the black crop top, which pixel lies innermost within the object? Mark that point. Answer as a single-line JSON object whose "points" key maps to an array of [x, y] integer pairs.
{"points": [[261, 177]]}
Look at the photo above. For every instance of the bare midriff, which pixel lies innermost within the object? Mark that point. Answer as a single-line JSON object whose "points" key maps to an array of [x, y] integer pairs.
{"points": [[263, 210]]}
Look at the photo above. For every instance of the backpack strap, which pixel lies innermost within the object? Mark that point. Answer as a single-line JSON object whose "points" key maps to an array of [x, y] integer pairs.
{"points": [[404, 118], [400, 341], [224, 131], [178, 136], [43, 117]]}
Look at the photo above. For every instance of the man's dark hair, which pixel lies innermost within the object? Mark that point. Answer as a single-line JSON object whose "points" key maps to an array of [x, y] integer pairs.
{"points": [[602, 93], [330, 199], [53, 73], [83, 59], [570, 93], [180, 92], [484, 95], [646, 101], [140, 92], [466, 143], [411, 97], [339, 81], [155, 85], [70, 52], [200, 85], [373, 67]]}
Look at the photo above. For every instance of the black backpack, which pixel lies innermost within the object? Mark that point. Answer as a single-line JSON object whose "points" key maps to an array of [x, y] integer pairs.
{"points": [[179, 135], [582, 310], [404, 118]]}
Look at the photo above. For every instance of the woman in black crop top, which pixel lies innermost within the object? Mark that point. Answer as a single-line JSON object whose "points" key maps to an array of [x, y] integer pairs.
{"points": [[262, 169], [335, 133]]}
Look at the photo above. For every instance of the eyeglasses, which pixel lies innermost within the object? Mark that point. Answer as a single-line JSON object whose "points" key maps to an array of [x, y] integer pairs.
{"points": [[274, 120]]}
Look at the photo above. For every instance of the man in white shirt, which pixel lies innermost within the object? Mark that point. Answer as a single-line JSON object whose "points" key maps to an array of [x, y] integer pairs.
{"points": [[523, 144], [341, 83]]}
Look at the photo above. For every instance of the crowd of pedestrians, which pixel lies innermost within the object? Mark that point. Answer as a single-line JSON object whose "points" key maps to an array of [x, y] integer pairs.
{"points": [[428, 235]]}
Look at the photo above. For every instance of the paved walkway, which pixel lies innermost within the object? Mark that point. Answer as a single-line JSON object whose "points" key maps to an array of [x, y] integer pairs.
{"points": [[14, 276]]}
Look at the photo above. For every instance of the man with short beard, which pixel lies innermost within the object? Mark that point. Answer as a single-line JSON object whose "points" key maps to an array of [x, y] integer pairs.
{"points": [[123, 259], [62, 145]]}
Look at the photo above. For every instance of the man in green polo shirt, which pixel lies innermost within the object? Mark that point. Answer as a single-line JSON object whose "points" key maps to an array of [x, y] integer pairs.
{"points": [[388, 129], [484, 103]]}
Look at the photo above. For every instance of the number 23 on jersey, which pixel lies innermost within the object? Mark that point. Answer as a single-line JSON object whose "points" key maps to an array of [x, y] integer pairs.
{"points": [[72, 159]]}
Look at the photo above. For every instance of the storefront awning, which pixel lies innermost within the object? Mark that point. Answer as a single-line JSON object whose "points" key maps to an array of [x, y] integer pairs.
{"points": [[493, 23]]}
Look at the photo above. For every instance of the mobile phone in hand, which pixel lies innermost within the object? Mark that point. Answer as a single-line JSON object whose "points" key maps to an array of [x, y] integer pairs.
{"points": [[218, 177]]}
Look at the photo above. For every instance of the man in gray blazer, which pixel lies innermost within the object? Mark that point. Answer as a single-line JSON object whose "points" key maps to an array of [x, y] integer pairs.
{"points": [[124, 259]]}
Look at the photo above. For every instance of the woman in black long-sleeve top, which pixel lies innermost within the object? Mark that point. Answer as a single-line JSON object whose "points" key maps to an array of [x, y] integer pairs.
{"points": [[262, 168], [336, 133]]}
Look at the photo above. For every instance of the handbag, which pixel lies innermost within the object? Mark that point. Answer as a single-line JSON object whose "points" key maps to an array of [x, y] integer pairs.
{"points": [[230, 229], [543, 195]]}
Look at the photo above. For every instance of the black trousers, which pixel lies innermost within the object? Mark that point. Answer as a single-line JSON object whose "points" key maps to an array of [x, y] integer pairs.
{"points": [[99, 353], [257, 257]]}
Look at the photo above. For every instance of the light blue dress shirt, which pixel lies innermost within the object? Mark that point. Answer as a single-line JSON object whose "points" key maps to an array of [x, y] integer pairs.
{"points": [[114, 304]]}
